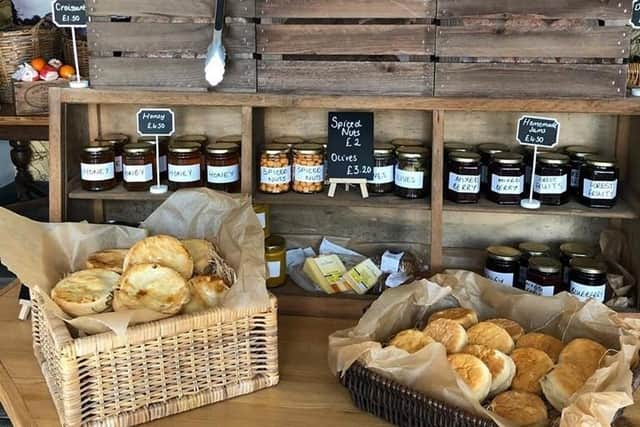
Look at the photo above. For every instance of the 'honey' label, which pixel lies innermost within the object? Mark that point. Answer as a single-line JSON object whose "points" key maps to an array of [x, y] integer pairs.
{"points": [[223, 174], [186, 173], [138, 173], [97, 172]]}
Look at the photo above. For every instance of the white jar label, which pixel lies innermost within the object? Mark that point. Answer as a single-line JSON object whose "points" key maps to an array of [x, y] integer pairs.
{"points": [[507, 184], [163, 164], [550, 184], [382, 175], [505, 279], [138, 173], [585, 292], [313, 174], [600, 190], [466, 184], [97, 172], [262, 218], [273, 268], [409, 179], [275, 175], [118, 162], [575, 177], [223, 174], [534, 288], [187, 173]]}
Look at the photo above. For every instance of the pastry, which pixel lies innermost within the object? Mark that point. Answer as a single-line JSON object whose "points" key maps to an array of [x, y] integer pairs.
{"points": [[520, 408], [513, 328], [561, 383], [201, 252], [584, 353], [500, 365], [449, 333], [163, 250], [492, 336], [411, 340], [110, 259], [463, 316], [206, 292], [85, 292], [550, 345], [531, 365], [474, 373]]}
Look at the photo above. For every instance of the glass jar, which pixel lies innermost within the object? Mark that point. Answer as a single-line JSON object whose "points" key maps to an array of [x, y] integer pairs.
{"points": [[450, 147], [289, 141], [588, 280], [275, 258], [599, 182], [502, 265], [223, 167], [487, 151], [324, 142], [203, 140], [577, 154], [412, 172], [551, 180], [529, 250], [117, 142], [463, 177], [527, 151], [235, 139], [164, 150], [384, 163], [506, 179], [138, 171], [185, 165], [308, 168], [407, 142], [275, 169], [544, 276], [571, 250], [263, 212], [97, 168]]}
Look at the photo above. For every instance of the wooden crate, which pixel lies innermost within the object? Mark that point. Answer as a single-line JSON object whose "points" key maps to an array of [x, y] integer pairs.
{"points": [[32, 98]]}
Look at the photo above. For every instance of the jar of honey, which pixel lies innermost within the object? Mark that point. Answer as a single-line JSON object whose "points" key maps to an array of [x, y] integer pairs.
{"points": [[97, 168], [506, 179], [163, 141], [275, 258], [551, 179], [138, 172], [117, 142], [275, 169], [463, 177], [308, 168], [223, 167], [384, 163], [263, 212], [185, 165]]}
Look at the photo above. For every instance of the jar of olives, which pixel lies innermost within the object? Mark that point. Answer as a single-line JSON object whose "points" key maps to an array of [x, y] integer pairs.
{"points": [[308, 168], [275, 169], [412, 172], [383, 169]]}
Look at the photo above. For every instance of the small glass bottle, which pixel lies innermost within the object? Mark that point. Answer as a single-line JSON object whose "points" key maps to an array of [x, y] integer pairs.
{"points": [[599, 182], [164, 150], [275, 258], [588, 280], [551, 179], [97, 168], [544, 277], [571, 250], [308, 168], [383, 169], [502, 265], [275, 169], [407, 142], [223, 167], [138, 172], [185, 165], [506, 179], [412, 172], [529, 250], [487, 151], [463, 177], [117, 142], [577, 154]]}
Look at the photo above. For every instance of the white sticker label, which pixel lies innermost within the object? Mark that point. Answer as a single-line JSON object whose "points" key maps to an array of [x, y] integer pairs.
{"points": [[507, 184], [390, 262], [275, 175], [409, 179], [534, 288], [223, 174], [118, 161], [600, 190], [163, 164], [138, 173], [97, 172], [187, 173], [550, 184], [467, 184], [262, 217], [382, 175], [505, 279], [274, 269], [575, 177], [585, 292], [311, 174]]}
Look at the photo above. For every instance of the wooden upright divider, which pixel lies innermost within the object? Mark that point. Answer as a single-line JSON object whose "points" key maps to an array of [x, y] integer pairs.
{"points": [[57, 164], [247, 151], [437, 191]]}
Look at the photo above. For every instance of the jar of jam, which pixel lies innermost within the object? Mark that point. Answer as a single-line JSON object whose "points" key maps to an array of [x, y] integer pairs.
{"points": [[289, 141], [223, 167], [529, 250], [263, 212], [544, 276], [450, 147], [275, 169], [308, 168], [502, 265], [527, 151], [117, 142], [551, 179], [138, 172], [185, 165], [412, 172], [164, 150], [407, 142], [97, 168], [463, 177], [571, 250], [588, 279], [599, 182], [577, 154], [506, 179], [487, 151], [383, 169], [275, 258]]}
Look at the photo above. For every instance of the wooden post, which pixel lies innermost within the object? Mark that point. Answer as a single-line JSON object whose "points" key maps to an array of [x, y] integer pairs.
{"points": [[437, 191], [246, 169], [623, 135], [57, 163], [93, 118]]}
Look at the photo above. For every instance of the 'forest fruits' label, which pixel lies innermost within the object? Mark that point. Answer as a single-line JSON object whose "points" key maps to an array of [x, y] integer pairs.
{"points": [[467, 184], [550, 184], [187, 173], [97, 172], [600, 190], [505, 279], [409, 179], [534, 288], [138, 173], [223, 174], [507, 184], [584, 293], [275, 175], [311, 174], [382, 175]]}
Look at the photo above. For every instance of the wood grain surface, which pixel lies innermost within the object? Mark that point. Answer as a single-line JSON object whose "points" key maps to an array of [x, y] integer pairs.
{"points": [[346, 9]]}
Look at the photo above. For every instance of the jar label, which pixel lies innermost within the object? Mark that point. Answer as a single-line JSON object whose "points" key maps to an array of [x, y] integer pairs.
{"points": [[313, 174], [409, 179], [522, 277], [534, 288], [184, 173], [118, 162], [390, 262], [550, 184], [507, 184], [223, 174], [600, 190], [138, 173], [163, 164], [275, 175], [467, 184], [505, 279], [262, 218], [382, 175], [273, 268], [97, 172], [585, 292], [575, 177]]}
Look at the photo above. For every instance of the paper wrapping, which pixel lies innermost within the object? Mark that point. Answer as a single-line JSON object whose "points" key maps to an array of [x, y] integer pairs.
{"points": [[428, 371], [41, 254]]}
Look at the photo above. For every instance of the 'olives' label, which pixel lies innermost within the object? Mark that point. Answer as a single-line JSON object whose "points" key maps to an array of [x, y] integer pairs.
{"points": [[505, 279], [600, 190], [575, 177], [223, 174], [534, 288], [184, 173], [311, 174], [467, 184], [137, 173], [382, 175], [585, 292], [118, 162], [550, 184], [97, 172], [275, 175], [507, 184], [409, 179], [274, 269]]}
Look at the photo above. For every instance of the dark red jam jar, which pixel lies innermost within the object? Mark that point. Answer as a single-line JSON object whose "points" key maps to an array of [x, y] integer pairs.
{"points": [[502, 265], [487, 151], [577, 154], [463, 177], [551, 180], [599, 182], [588, 280], [530, 250], [544, 277], [572, 250], [506, 179]]}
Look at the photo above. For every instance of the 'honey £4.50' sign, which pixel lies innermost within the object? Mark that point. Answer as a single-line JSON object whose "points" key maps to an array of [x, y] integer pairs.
{"points": [[156, 122], [635, 14]]}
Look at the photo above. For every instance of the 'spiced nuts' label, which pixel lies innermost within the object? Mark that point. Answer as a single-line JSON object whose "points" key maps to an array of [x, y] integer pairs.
{"points": [[534, 288], [507, 184], [409, 179], [585, 292], [118, 162], [137, 173], [505, 279], [550, 184], [223, 174], [274, 269], [275, 175], [97, 172], [575, 177], [186, 173], [382, 175], [313, 174], [600, 190], [466, 184]]}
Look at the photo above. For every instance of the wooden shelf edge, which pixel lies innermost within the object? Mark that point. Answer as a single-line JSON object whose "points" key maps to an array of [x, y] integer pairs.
{"points": [[342, 199]]}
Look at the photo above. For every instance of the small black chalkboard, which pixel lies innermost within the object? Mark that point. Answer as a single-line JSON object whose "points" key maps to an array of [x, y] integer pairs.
{"points": [[156, 122], [540, 131], [350, 149], [69, 13], [635, 17]]}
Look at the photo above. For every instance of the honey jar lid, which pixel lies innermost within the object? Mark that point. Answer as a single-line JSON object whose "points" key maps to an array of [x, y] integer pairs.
{"points": [[405, 152], [553, 158], [407, 142], [322, 140], [113, 138], [192, 138], [508, 158], [545, 264], [589, 265], [274, 243], [138, 148], [600, 161], [492, 148], [307, 148], [185, 147], [383, 149], [288, 140], [152, 139], [457, 146], [534, 248], [230, 138], [579, 151], [275, 149], [222, 148], [464, 157], [103, 148], [577, 250], [506, 253]]}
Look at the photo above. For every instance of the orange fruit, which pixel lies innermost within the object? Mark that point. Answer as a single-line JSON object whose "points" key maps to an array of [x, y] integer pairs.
{"points": [[38, 64], [67, 71]]}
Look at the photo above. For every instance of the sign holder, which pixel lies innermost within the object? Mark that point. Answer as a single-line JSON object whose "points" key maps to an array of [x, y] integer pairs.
{"points": [[145, 124], [71, 14], [334, 182]]}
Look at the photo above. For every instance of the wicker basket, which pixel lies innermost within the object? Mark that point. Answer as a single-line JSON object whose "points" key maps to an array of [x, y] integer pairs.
{"points": [[157, 369], [83, 53]]}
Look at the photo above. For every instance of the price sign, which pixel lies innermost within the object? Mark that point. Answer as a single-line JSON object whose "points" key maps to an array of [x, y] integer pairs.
{"points": [[540, 131], [635, 17], [69, 13], [350, 149], [156, 122]]}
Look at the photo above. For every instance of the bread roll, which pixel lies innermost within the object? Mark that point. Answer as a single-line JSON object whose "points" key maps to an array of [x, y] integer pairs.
{"points": [[411, 340], [206, 292], [85, 292], [449, 333], [561, 383], [513, 328], [110, 259], [531, 365], [550, 345], [473, 372], [520, 408], [492, 336], [584, 353], [166, 251], [202, 253], [465, 317], [502, 368]]}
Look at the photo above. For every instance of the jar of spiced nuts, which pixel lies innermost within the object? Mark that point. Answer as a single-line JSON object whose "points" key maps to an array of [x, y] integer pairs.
{"points": [[275, 169], [308, 168]]}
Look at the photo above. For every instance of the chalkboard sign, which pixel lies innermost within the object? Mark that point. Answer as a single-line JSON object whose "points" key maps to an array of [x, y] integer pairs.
{"points": [[540, 131], [156, 122], [635, 17], [69, 13], [350, 149]]}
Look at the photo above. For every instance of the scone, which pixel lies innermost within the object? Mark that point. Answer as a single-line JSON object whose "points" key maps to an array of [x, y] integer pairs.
{"points": [[411, 340], [550, 345], [561, 383], [521, 408], [474, 373], [513, 328], [163, 250], [85, 292], [584, 353], [449, 333], [463, 316], [202, 253], [500, 365], [151, 286], [206, 292], [110, 259], [531, 365], [492, 336]]}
